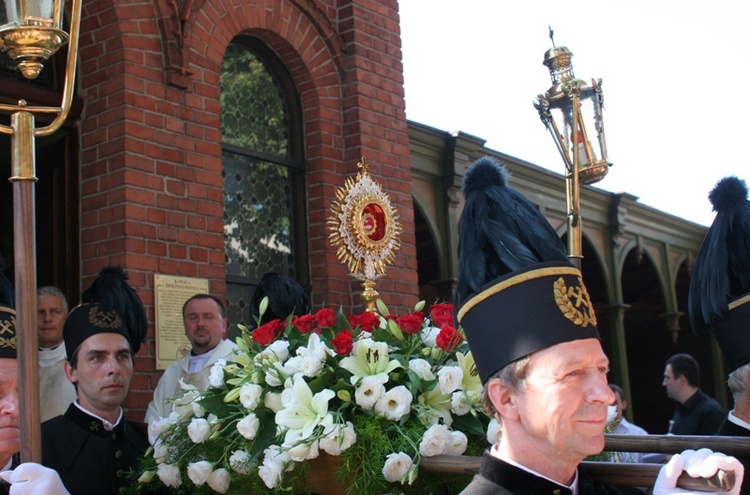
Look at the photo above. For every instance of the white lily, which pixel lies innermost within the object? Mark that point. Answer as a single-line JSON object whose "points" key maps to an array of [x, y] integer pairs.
{"points": [[471, 381], [370, 359], [309, 411]]}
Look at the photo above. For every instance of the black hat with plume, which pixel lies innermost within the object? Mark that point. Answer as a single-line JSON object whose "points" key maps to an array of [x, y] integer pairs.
{"points": [[517, 291], [719, 298], [8, 338], [110, 305], [285, 297]]}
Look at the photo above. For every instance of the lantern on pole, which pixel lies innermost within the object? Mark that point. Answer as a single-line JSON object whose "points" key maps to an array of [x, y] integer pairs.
{"points": [[573, 113], [31, 31]]}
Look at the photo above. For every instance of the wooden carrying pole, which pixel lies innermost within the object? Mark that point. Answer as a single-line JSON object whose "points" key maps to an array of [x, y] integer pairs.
{"points": [[622, 474]]}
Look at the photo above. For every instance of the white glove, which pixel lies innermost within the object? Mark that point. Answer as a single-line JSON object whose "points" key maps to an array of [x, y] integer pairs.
{"points": [[30, 478], [699, 464]]}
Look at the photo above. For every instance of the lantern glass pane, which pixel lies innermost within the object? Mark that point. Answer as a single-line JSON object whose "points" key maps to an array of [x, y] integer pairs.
{"points": [[8, 14], [45, 13], [590, 122]]}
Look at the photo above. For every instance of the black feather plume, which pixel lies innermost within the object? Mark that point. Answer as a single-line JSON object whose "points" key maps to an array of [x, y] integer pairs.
{"points": [[500, 231], [722, 266], [112, 291], [285, 297]]}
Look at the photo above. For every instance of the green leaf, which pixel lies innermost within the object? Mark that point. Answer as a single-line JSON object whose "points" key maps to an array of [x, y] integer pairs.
{"points": [[469, 424], [215, 404]]}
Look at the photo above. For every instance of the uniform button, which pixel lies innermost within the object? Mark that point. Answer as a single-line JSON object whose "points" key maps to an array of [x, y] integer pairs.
{"points": [[114, 436], [118, 454], [120, 473], [123, 490]]}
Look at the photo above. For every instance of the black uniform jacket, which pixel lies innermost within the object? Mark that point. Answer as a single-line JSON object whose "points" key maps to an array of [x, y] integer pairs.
{"points": [[89, 459], [497, 477]]}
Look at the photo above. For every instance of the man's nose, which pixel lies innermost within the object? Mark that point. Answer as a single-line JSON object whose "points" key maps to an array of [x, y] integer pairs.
{"points": [[9, 404]]}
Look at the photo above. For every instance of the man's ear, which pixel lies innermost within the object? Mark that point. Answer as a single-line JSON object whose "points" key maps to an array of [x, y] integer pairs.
{"points": [[502, 398], [70, 373]]}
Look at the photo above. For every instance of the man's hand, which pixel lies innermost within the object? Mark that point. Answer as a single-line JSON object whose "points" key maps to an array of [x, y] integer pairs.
{"points": [[30, 479], [703, 463]]}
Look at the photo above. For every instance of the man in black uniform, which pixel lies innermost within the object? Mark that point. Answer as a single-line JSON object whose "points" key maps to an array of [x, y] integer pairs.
{"points": [[719, 299], [91, 446], [532, 330], [27, 477]]}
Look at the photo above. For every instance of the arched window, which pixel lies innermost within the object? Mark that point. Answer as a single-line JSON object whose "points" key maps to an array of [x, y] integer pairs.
{"points": [[263, 170]]}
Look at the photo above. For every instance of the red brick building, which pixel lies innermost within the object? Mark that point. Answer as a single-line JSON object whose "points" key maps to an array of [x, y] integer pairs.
{"points": [[164, 106]]}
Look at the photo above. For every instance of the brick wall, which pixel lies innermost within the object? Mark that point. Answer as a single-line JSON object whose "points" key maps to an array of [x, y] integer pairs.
{"points": [[151, 186]]}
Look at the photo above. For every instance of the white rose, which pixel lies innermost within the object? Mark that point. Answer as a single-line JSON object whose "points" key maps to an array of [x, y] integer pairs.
{"points": [[435, 441], [169, 475], [216, 377], [459, 443], [160, 452], [279, 348], [199, 430], [370, 391], [429, 336], [396, 466], [340, 439], [494, 432], [422, 369], [272, 400], [273, 466], [291, 367], [303, 451], [288, 398], [248, 426], [250, 394], [156, 427], [183, 405], [395, 404], [310, 365], [460, 404], [450, 378], [240, 462], [273, 377], [219, 480], [197, 409], [198, 472]]}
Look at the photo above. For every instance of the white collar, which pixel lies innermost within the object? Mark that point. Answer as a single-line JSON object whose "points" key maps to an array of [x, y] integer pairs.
{"points": [[734, 419], [107, 425], [573, 486], [51, 355]]}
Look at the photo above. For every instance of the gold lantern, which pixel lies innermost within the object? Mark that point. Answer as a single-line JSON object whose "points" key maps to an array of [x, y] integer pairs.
{"points": [[31, 31], [573, 113]]}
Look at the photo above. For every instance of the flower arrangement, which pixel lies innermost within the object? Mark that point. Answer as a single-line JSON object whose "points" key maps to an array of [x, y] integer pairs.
{"points": [[377, 392]]}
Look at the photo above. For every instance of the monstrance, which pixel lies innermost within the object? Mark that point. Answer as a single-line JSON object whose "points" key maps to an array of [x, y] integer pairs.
{"points": [[364, 230]]}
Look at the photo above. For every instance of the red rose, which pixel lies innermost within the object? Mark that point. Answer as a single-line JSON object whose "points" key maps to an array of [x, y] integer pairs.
{"points": [[410, 323], [278, 326], [368, 321], [442, 310], [265, 334], [448, 338], [443, 321], [353, 321], [342, 343], [325, 318], [304, 323]]}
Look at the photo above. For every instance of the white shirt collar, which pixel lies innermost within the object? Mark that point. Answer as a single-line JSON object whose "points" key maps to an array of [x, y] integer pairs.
{"points": [[573, 487], [107, 425], [51, 355], [734, 419], [197, 363]]}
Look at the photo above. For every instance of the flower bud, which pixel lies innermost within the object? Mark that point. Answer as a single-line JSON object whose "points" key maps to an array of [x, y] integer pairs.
{"points": [[395, 330], [232, 395], [344, 395], [419, 306], [382, 308], [263, 306]]}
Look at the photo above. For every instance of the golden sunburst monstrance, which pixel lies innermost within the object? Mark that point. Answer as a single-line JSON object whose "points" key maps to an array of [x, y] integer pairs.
{"points": [[364, 230]]}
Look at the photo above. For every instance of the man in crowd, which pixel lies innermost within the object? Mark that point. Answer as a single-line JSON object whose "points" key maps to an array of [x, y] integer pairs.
{"points": [[695, 413], [719, 299], [532, 331], [204, 317], [26, 478], [624, 427], [56, 393], [91, 446]]}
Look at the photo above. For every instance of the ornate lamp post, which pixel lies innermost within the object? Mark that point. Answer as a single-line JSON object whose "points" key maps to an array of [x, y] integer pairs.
{"points": [[567, 108], [30, 32]]}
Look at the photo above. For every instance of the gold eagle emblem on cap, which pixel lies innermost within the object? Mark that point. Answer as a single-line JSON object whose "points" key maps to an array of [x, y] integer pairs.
{"points": [[8, 339], [574, 302]]}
